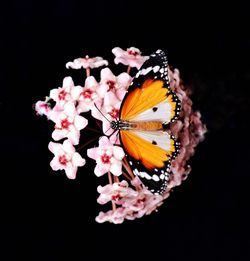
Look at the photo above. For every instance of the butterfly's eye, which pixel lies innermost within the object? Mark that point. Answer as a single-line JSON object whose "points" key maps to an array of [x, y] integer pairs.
{"points": [[114, 125]]}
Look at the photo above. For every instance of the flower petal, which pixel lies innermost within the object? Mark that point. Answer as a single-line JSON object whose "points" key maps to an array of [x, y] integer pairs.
{"points": [[80, 122], [68, 82], [77, 160], [71, 172], [91, 82], [107, 75], [68, 147], [54, 147], [58, 134], [76, 92], [70, 109], [74, 136], [55, 165], [92, 153], [118, 153], [100, 170], [116, 168], [104, 142]]}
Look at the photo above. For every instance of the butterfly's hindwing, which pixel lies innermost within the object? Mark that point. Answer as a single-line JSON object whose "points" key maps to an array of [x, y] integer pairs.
{"points": [[155, 180]]}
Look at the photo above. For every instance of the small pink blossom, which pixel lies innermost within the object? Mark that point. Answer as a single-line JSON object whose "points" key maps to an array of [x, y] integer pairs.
{"points": [[62, 95], [87, 62], [108, 157], [65, 158], [116, 216], [87, 95], [111, 91], [117, 192], [69, 124], [116, 84], [132, 57], [143, 203], [43, 107]]}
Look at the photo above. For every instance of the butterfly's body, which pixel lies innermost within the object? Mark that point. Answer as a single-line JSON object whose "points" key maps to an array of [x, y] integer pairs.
{"points": [[138, 125], [147, 109]]}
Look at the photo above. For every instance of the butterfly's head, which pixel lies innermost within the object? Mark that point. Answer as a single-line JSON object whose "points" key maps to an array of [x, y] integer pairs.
{"points": [[114, 125], [120, 125]]}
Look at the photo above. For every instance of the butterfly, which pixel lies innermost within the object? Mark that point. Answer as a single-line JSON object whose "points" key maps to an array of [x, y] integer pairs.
{"points": [[146, 112]]}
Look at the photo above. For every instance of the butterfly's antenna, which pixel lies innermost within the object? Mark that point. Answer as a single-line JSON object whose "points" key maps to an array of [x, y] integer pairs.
{"points": [[108, 130], [116, 137], [102, 113], [111, 133]]}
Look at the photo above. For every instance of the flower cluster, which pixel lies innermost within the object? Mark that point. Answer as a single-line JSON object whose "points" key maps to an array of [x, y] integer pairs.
{"points": [[129, 198]]}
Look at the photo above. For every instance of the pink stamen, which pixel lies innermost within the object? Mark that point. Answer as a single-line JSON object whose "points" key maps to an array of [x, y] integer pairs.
{"points": [[114, 113], [116, 197], [65, 124], [132, 52], [62, 94], [111, 85], [63, 160], [87, 94], [105, 158]]}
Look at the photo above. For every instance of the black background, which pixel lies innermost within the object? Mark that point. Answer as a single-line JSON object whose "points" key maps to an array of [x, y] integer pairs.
{"points": [[45, 216]]}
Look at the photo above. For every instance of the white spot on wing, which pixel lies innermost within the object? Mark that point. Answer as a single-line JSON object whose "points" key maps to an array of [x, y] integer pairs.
{"points": [[146, 71], [162, 176], [162, 70], [136, 172], [156, 68], [155, 178], [146, 175]]}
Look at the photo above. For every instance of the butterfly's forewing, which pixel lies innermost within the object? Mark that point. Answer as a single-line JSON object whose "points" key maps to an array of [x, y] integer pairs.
{"points": [[149, 99]]}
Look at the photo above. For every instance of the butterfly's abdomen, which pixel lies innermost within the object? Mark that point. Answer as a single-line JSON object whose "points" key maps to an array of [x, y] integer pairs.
{"points": [[146, 125]]}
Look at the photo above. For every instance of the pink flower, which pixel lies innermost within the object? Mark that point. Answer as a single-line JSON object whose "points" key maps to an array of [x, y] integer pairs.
{"points": [[110, 109], [117, 192], [112, 91], [69, 124], [108, 157], [87, 95], [43, 107], [134, 204], [111, 105], [132, 57], [65, 158], [86, 63], [143, 203], [116, 84], [62, 94], [116, 216], [189, 129]]}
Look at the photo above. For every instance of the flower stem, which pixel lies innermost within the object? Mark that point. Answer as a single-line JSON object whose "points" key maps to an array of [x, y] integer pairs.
{"points": [[92, 129], [126, 176], [127, 167], [128, 70], [88, 72], [98, 124], [110, 178], [110, 182], [87, 143], [116, 179]]}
